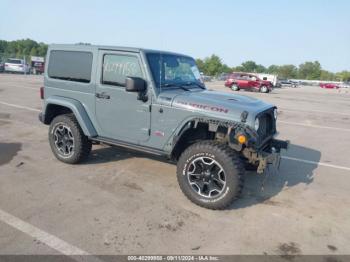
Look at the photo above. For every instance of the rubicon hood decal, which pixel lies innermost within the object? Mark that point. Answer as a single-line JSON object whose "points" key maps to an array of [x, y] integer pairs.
{"points": [[204, 106], [217, 104]]}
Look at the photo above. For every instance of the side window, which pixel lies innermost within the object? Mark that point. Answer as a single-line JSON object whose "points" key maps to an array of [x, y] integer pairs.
{"points": [[70, 66], [117, 67]]}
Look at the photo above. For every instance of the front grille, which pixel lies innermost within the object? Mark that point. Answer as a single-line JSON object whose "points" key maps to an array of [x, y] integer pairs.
{"points": [[267, 126]]}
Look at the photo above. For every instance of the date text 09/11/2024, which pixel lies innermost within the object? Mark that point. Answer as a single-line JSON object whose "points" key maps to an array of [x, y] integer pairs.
{"points": [[173, 258]]}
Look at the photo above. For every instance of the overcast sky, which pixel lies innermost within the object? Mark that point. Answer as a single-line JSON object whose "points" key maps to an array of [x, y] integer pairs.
{"points": [[268, 32]]}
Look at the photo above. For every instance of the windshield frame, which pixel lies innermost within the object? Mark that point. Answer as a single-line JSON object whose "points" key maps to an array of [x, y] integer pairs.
{"points": [[160, 83]]}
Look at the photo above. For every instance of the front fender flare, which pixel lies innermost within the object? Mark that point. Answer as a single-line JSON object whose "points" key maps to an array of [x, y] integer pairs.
{"points": [[213, 125]]}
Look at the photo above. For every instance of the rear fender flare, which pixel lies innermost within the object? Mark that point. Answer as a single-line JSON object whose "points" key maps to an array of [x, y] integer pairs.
{"points": [[78, 110]]}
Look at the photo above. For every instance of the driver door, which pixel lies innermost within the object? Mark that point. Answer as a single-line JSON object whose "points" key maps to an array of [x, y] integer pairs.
{"points": [[120, 115]]}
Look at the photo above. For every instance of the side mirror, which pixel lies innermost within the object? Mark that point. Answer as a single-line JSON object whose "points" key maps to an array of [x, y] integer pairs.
{"points": [[135, 84]]}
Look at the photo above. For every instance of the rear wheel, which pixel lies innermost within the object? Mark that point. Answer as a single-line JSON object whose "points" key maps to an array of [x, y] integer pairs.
{"points": [[67, 140], [210, 174], [234, 87]]}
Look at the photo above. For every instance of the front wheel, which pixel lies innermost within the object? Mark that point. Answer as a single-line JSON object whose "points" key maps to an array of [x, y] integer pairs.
{"points": [[67, 140], [264, 89], [210, 174], [234, 87]]}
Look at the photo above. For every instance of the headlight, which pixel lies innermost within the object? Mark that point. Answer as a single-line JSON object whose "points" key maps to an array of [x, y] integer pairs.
{"points": [[275, 113], [256, 124]]}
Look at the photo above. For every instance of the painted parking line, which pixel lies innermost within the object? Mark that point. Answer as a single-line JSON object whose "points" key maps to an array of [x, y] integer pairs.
{"points": [[314, 126], [44, 237], [313, 111], [284, 122], [21, 86], [19, 106], [316, 163], [280, 121]]}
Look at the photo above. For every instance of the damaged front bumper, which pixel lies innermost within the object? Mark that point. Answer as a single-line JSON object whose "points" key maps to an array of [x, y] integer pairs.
{"points": [[269, 155]]}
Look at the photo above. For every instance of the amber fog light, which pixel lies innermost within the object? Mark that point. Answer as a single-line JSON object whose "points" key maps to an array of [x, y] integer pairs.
{"points": [[242, 139]]}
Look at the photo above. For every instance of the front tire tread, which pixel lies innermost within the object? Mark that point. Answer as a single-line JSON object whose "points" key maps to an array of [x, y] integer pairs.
{"points": [[228, 157]]}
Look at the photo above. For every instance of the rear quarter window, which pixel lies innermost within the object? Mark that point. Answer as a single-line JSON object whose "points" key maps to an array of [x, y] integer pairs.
{"points": [[73, 66]]}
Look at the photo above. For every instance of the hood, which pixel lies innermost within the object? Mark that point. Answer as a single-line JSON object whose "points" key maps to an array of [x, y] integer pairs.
{"points": [[217, 104]]}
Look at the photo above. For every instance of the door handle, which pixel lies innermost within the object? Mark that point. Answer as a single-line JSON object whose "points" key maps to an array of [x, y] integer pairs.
{"points": [[102, 95]]}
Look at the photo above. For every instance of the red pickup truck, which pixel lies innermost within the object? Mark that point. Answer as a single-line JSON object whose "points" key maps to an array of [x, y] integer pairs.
{"points": [[237, 81]]}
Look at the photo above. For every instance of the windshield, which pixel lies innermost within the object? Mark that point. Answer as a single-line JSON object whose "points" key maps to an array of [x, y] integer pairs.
{"points": [[14, 61], [174, 71]]}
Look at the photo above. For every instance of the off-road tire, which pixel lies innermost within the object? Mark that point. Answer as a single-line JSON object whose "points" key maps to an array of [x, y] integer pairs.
{"points": [[82, 145], [234, 87], [230, 162]]}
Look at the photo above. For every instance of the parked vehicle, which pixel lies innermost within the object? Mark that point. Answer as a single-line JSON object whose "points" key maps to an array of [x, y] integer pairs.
{"points": [[14, 65], [273, 79], [155, 102], [247, 81], [223, 77], [37, 65], [346, 84], [288, 83], [205, 78], [329, 85]]}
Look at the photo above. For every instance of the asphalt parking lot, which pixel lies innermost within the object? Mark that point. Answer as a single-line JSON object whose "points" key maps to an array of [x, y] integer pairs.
{"points": [[120, 202]]}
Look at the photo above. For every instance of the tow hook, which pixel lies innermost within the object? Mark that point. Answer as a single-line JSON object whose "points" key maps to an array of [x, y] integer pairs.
{"points": [[274, 157], [262, 166]]}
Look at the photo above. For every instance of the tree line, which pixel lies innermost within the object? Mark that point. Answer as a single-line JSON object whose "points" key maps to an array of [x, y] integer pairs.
{"points": [[213, 66], [22, 48]]}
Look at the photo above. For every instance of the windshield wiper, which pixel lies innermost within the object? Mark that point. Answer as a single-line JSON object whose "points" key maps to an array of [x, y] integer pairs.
{"points": [[193, 84], [175, 85]]}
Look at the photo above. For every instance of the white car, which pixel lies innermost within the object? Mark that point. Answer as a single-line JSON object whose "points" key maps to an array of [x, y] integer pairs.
{"points": [[15, 65]]}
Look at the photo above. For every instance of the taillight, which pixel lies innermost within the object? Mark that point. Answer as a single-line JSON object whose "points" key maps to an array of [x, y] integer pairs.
{"points": [[42, 92]]}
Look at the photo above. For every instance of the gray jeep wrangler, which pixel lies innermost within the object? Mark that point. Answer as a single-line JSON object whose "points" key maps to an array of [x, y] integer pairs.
{"points": [[156, 102]]}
